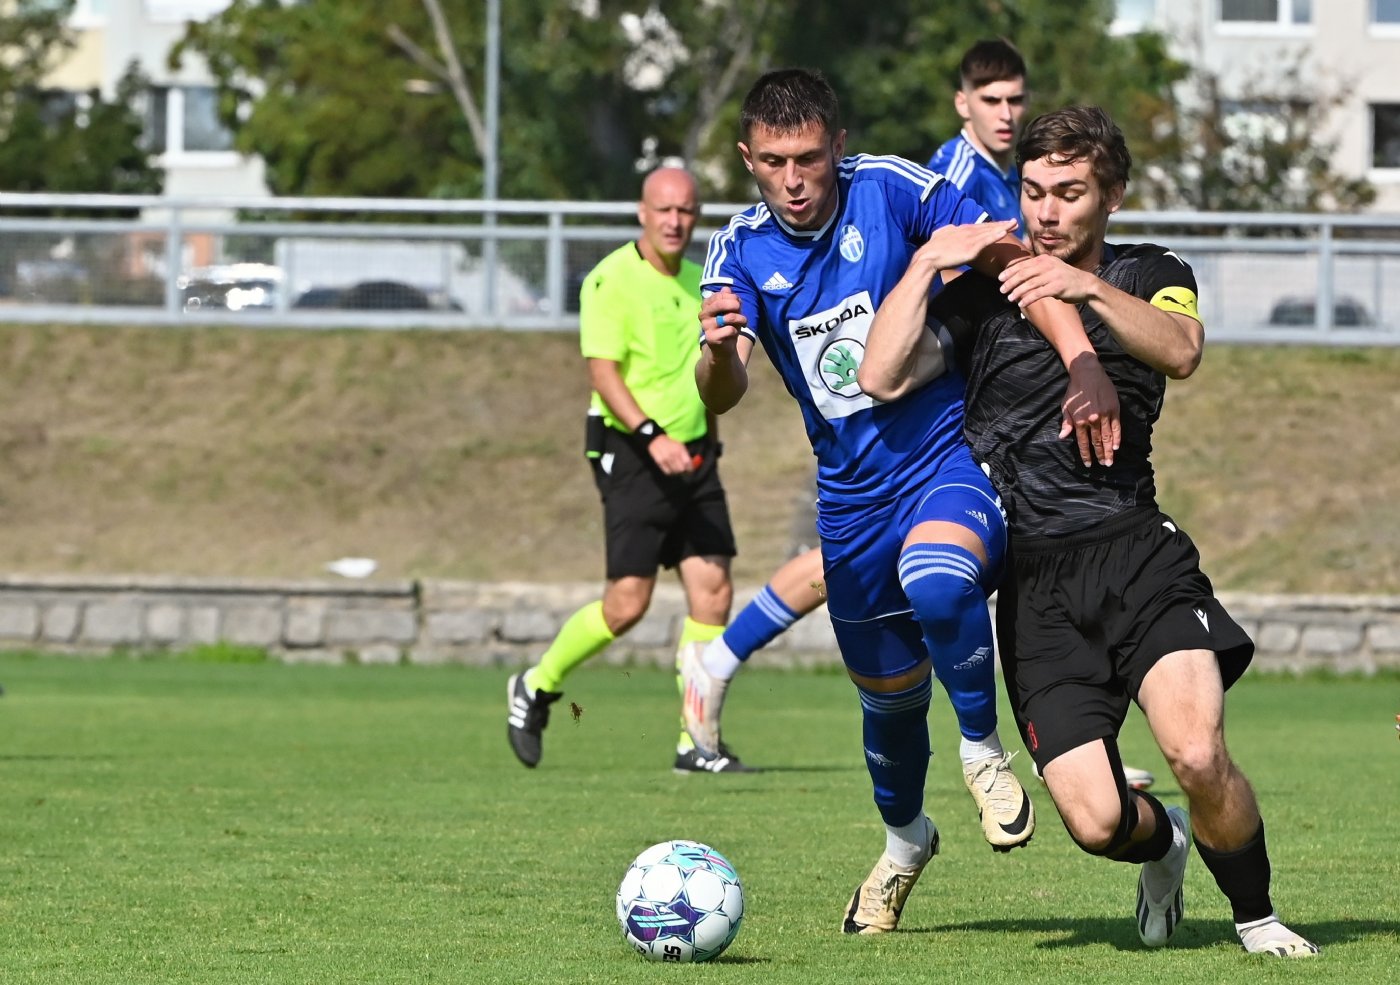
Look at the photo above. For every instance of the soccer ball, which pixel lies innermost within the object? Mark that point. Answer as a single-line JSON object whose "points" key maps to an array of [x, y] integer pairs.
{"points": [[680, 901]]}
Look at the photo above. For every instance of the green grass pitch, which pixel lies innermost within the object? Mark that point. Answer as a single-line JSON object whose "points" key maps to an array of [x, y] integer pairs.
{"points": [[182, 821]]}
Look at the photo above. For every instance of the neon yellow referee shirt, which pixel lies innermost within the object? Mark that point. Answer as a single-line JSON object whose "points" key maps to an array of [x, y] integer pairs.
{"points": [[638, 317]]}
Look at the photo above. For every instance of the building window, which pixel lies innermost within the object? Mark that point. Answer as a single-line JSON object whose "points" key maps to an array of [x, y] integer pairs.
{"points": [[185, 120], [1385, 11], [1385, 135], [88, 13], [1283, 12], [1131, 16], [179, 11]]}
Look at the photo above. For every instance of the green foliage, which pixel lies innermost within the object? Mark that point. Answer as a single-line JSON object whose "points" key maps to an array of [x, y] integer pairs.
{"points": [[321, 90], [60, 145], [1264, 147], [171, 822]]}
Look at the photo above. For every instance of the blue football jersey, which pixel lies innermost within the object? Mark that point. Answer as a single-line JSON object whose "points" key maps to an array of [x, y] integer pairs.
{"points": [[979, 178], [810, 297]]}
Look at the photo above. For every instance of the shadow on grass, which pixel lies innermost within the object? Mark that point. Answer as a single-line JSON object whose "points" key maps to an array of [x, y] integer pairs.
{"points": [[1120, 932]]}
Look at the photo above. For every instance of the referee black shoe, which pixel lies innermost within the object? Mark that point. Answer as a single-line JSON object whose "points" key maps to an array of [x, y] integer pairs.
{"points": [[526, 718]]}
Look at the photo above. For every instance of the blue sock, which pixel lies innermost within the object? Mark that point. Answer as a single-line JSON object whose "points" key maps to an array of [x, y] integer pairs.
{"points": [[758, 624], [944, 585], [894, 728]]}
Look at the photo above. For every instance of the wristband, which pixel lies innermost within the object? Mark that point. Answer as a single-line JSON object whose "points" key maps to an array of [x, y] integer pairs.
{"points": [[648, 431]]}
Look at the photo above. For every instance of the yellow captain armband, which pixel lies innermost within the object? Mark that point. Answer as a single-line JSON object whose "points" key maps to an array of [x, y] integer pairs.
{"points": [[1177, 300]]}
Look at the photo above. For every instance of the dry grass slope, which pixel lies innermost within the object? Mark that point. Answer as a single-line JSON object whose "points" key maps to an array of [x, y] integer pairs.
{"points": [[268, 453]]}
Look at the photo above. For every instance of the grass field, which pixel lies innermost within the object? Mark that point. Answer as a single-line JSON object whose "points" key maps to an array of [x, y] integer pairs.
{"points": [[176, 821]]}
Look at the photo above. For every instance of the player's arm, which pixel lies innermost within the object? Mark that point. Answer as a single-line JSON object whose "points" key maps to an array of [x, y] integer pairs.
{"points": [[670, 455], [1090, 408], [1164, 332], [722, 374], [901, 353]]}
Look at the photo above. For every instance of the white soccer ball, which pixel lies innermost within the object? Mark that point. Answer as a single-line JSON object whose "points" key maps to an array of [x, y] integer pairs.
{"points": [[680, 901]]}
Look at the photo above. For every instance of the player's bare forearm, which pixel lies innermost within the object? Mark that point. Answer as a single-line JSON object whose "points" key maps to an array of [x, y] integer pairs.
{"points": [[999, 255], [722, 374], [1091, 411], [722, 379], [1170, 343], [889, 368]]}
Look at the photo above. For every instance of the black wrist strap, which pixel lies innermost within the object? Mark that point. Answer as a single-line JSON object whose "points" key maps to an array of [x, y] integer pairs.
{"points": [[648, 431]]}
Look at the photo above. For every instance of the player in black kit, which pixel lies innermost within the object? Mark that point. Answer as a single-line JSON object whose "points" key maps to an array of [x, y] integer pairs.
{"points": [[1103, 601]]}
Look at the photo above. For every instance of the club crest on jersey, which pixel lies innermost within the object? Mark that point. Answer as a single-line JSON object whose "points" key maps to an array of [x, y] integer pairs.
{"points": [[852, 243]]}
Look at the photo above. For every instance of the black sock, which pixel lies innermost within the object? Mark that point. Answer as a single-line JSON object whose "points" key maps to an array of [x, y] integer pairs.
{"points": [[1159, 844], [1243, 876]]}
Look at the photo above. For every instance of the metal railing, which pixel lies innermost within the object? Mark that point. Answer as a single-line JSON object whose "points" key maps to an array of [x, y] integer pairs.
{"points": [[390, 263]]}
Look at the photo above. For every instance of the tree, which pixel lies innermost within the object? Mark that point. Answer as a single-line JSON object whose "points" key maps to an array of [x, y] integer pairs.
{"points": [[58, 141], [359, 99]]}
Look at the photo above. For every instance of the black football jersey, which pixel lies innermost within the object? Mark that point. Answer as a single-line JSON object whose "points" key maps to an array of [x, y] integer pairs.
{"points": [[1016, 383]]}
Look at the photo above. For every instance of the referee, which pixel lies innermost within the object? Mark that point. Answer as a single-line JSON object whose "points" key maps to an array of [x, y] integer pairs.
{"points": [[654, 452]]}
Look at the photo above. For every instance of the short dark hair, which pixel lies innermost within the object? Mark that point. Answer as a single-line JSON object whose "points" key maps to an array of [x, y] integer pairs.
{"points": [[1078, 133], [789, 99], [995, 60]]}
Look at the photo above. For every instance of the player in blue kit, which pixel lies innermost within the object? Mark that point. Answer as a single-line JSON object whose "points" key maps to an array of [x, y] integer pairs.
{"points": [[990, 96], [912, 533], [991, 99]]}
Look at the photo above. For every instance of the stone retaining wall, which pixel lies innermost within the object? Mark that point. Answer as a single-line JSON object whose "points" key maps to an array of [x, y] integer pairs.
{"points": [[508, 624]]}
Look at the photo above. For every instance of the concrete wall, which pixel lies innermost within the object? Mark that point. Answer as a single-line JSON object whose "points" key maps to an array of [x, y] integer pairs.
{"points": [[509, 624]]}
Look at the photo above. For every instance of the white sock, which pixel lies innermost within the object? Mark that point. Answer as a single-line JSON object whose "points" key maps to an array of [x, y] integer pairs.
{"points": [[908, 845], [719, 660], [973, 750]]}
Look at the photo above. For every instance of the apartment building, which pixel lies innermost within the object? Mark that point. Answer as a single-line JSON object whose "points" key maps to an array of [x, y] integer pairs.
{"points": [[194, 148], [1342, 43]]}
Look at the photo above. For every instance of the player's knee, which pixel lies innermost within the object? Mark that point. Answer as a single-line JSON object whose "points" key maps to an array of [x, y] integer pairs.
{"points": [[1104, 832], [1200, 767], [941, 581]]}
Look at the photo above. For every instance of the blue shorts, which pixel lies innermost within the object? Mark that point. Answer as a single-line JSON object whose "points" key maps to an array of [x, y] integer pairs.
{"points": [[874, 623]]}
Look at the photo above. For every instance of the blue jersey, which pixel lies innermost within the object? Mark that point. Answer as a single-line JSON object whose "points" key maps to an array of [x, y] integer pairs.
{"points": [[980, 178], [810, 297]]}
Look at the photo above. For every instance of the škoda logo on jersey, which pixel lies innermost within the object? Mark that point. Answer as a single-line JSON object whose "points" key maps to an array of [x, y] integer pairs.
{"points": [[826, 322]]}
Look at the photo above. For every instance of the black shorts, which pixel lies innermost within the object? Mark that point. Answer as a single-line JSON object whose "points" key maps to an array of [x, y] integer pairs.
{"points": [[653, 519], [1081, 622]]}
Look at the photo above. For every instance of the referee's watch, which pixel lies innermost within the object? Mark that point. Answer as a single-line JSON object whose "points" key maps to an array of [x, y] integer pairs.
{"points": [[648, 431]]}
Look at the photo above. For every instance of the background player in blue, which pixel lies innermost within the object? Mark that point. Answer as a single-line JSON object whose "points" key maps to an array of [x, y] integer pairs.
{"points": [[991, 99], [1104, 601], [911, 532]]}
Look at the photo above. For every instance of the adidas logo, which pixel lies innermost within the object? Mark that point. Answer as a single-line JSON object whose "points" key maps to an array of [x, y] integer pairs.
{"points": [[777, 283]]}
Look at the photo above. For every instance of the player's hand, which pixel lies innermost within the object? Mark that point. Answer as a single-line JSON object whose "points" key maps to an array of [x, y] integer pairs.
{"points": [[1090, 411], [670, 456], [956, 246], [1032, 279], [721, 317]]}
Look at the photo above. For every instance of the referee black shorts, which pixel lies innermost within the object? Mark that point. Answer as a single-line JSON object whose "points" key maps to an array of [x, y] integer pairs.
{"points": [[653, 519], [1080, 622]]}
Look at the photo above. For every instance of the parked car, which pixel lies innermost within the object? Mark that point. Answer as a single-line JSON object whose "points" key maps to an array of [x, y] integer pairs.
{"points": [[1346, 312], [318, 297], [231, 287], [385, 295]]}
